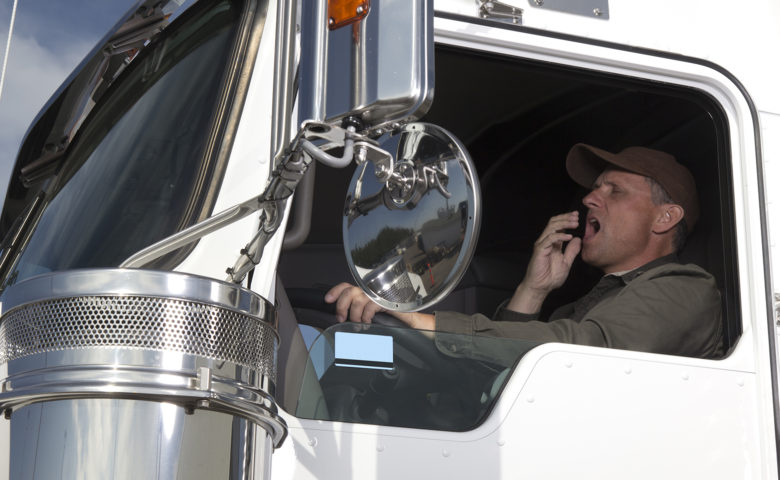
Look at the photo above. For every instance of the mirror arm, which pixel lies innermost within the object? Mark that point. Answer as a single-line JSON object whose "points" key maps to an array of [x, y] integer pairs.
{"points": [[282, 187], [329, 160], [192, 233], [272, 202], [275, 199], [279, 190], [270, 220]]}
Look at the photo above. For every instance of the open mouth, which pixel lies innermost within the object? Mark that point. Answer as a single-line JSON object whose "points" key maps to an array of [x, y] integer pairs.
{"points": [[592, 227]]}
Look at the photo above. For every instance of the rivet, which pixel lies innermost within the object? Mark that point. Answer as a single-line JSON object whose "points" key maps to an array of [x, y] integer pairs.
{"points": [[501, 442], [539, 3], [530, 399], [359, 9], [445, 453], [741, 382], [568, 364], [628, 370], [380, 448], [685, 376], [313, 442], [597, 12]]}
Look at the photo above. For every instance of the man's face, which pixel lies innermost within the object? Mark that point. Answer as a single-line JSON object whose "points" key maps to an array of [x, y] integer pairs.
{"points": [[619, 222]]}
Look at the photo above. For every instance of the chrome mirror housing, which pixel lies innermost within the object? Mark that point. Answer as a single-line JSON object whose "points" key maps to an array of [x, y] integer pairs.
{"points": [[378, 70], [411, 218]]}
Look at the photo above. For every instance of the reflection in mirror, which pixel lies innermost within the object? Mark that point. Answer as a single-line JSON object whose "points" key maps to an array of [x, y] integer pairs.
{"points": [[410, 229]]}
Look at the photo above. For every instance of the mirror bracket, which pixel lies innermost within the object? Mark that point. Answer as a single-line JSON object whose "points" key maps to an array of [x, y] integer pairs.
{"points": [[369, 151]]}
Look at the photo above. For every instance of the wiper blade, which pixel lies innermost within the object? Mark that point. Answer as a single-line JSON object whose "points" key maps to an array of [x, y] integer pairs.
{"points": [[15, 233], [86, 89]]}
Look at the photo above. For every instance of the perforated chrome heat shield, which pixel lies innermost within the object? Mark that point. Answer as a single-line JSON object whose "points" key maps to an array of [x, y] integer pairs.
{"points": [[171, 351], [139, 322]]}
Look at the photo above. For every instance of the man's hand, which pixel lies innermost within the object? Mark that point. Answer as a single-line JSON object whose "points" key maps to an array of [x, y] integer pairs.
{"points": [[353, 304], [549, 265]]}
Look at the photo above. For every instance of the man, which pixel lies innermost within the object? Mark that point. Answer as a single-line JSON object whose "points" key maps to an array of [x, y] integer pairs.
{"points": [[641, 205]]}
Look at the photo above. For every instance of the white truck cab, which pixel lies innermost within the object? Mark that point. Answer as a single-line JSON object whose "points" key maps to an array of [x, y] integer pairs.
{"points": [[169, 241]]}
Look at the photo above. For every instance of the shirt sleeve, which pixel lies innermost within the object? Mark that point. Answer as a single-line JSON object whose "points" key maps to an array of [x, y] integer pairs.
{"points": [[503, 314], [563, 330], [674, 310]]}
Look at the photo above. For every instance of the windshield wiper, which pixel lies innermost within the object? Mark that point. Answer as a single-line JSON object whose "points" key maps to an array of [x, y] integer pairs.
{"points": [[16, 232], [86, 89]]}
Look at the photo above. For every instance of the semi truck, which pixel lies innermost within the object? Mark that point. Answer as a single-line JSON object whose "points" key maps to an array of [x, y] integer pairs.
{"points": [[179, 207]]}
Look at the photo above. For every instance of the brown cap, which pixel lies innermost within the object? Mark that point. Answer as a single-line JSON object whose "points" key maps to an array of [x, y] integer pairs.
{"points": [[585, 163]]}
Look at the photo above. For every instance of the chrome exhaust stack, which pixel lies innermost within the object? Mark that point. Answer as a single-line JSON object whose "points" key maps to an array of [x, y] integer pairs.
{"points": [[137, 374]]}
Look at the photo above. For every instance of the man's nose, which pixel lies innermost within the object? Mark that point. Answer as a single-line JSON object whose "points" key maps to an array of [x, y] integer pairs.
{"points": [[593, 199]]}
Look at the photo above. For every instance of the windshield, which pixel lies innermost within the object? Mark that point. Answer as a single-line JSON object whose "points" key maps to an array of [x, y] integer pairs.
{"points": [[368, 373], [134, 173]]}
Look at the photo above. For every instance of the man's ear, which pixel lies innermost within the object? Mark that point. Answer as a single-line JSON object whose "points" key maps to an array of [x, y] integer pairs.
{"points": [[670, 216]]}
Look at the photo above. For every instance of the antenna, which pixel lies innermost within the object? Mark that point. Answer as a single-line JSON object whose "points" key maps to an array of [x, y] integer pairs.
{"points": [[7, 48]]}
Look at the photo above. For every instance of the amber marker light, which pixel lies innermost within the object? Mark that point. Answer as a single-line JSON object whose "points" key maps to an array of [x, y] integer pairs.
{"points": [[346, 12]]}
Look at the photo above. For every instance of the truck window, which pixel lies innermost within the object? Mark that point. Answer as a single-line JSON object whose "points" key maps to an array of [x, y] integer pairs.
{"points": [[518, 119], [433, 380], [136, 171]]}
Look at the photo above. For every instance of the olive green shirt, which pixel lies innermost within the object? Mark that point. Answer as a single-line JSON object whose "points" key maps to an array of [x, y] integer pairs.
{"points": [[661, 307]]}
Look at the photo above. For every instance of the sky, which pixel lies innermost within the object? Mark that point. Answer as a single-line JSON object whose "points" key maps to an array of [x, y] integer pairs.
{"points": [[50, 37]]}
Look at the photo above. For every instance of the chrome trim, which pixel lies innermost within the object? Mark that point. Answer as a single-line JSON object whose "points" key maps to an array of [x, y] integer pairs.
{"points": [[192, 389], [131, 439], [380, 70], [140, 335], [495, 10], [138, 322], [313, 70], [193, 233], [284, 78], [125, 282]]}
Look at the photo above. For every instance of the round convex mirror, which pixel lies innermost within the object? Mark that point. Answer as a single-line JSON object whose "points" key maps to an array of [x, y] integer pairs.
{"points": [[409, 235]]}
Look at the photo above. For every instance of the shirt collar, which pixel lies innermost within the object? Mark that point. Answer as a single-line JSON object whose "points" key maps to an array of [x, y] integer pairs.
{"points": [[631, 275]]}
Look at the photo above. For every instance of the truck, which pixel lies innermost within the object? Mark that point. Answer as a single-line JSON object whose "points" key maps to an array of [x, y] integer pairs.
{"points": [[180, 206]]}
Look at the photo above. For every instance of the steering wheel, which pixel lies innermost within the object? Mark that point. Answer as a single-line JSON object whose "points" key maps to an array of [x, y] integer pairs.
{"points": [[421, 368], [311, 309]]}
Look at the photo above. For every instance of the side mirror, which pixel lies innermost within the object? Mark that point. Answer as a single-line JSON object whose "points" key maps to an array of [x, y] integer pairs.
{"points": [[378, 69], [410, 228]]}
